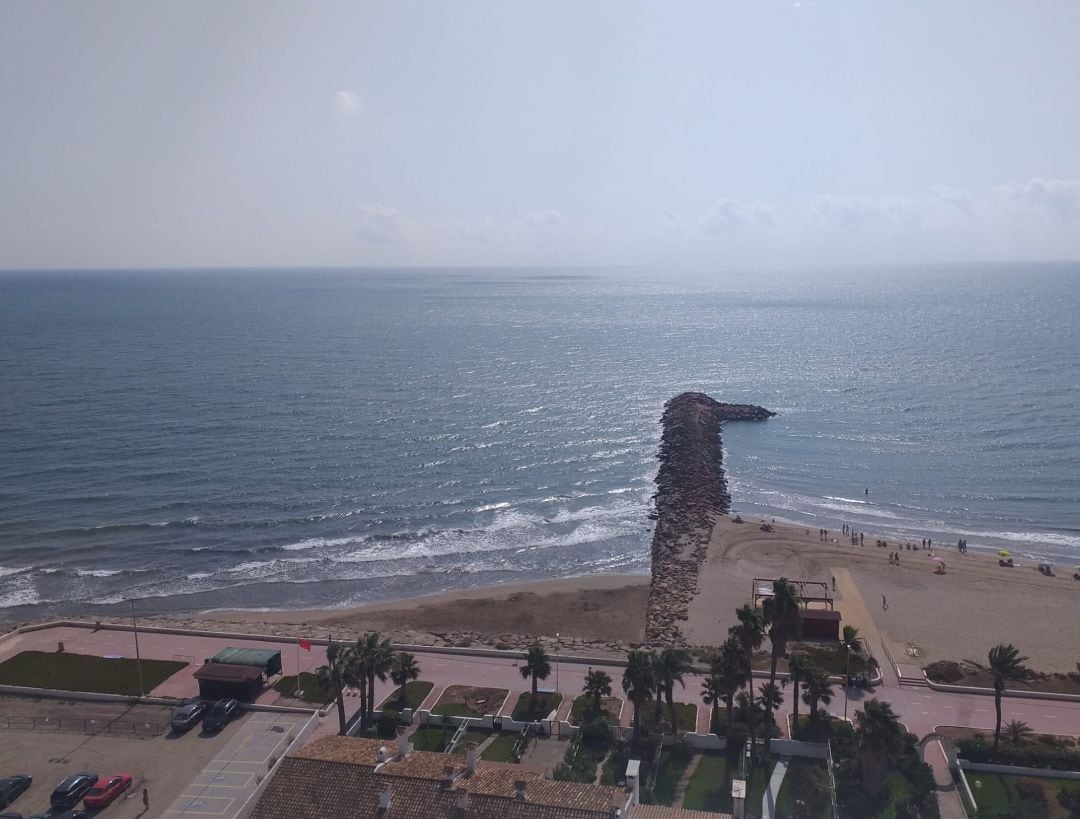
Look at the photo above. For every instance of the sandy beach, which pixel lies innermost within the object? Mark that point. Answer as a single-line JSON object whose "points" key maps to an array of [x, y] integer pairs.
{"points": [[956, 616]]}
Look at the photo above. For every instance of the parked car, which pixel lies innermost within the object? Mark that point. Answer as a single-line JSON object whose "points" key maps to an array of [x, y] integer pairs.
{"points": [[13, 787], [68, 793], [106, 790], [188, 715], [221, 713]]}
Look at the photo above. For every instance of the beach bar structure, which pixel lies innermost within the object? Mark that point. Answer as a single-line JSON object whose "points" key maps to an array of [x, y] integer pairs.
{"points": [[223, 681], [265, 659], [810, 592], [237, 673]]}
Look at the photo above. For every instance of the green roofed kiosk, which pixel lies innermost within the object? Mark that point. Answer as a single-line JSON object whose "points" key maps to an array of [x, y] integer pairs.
{"points": [[264, 658]]}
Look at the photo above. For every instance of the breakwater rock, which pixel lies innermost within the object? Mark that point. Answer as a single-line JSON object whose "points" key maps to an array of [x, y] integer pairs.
{"points": [[691, 493]]}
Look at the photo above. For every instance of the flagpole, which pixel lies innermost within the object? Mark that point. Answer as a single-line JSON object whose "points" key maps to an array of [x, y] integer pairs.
{"points": [[299, 691]]}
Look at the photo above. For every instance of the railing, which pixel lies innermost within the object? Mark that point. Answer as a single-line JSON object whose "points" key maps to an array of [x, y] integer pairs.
{"points": [[830, 764], [459, 735], [84, 725]]}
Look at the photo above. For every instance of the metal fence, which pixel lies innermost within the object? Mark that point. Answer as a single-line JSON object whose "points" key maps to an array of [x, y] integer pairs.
{"points": [[84, 725]]}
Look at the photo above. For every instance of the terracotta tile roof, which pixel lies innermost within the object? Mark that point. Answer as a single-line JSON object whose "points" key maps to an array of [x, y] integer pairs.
{"points": [[660, 812], [349, 750], [307, 787]]}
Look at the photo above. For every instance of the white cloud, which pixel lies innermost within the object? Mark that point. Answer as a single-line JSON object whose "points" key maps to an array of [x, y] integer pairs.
{"points": [[1045, 197], [348, 102], [378, 223], [544, 220], [728, 214]]}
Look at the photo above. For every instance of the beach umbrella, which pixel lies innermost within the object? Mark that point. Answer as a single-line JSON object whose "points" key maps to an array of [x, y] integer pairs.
{"points": [[939, 560], [1003, 552]]}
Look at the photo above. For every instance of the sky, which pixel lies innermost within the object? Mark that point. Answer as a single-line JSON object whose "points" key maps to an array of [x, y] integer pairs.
{"points": [[709, 134]]}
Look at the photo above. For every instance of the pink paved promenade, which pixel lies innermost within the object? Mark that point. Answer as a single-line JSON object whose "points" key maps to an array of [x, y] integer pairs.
{"points": [[921, 709]]}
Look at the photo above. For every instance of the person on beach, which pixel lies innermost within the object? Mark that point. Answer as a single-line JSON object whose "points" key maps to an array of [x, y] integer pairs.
{"points": [[834, 582], [860, 538], [866, 491], [145, 799], [884, 603]]}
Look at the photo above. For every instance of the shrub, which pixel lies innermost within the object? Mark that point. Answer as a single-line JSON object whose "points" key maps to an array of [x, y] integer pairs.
{"points": [[1032, 789], [945, 671], [1069, 798], [597, 734], [502, 646], [1027, 756], [387, 723]]}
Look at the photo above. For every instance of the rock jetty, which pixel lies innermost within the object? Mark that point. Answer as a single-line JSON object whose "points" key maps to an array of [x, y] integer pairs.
{"points": [[691, 494]]}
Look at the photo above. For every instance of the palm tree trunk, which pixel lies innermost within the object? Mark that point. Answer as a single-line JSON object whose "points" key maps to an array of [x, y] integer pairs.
{"points": [[729, 701], [371, 697], [659, 702], [403, 697], [714, 714], [795, 709], [637, 722], [341, 710], [669, 695], [768, 705], [363, 706], [997, 725], [534, 685]]}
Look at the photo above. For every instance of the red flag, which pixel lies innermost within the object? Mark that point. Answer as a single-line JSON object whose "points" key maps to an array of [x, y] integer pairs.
{"points": [[304, 644]]}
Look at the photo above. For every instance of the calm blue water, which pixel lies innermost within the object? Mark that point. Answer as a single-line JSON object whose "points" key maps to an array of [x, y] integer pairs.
{"points": [[285, 439]]}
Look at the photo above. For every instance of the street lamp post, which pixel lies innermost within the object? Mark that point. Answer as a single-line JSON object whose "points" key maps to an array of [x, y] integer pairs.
{"points": [[557, 646], [138, 657]]}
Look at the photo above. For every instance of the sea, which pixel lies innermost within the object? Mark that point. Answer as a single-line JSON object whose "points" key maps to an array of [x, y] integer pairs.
{"points": [[276, 439]]}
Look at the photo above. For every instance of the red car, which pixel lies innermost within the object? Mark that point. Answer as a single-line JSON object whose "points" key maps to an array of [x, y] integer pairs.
{"points": [[106, 790]]}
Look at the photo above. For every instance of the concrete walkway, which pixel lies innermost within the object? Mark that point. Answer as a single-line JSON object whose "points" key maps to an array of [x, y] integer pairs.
{"points": [[225, 784], [948, 797], [772, 790], [854, 612], [684, 780]]}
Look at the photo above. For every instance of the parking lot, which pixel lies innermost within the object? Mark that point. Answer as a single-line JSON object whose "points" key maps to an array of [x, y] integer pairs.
{"points": [[47, 741]]}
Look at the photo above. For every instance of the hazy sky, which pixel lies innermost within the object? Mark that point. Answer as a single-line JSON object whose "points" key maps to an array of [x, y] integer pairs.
{"points": [[713, 133]]}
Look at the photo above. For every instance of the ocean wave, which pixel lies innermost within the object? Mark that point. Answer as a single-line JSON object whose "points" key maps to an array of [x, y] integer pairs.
{"points": [[491, 507], [98, 572], [7, 571]]}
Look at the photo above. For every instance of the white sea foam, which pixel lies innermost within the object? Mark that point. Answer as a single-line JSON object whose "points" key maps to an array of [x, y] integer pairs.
{"points": [[491, 507], [199, 575], [97, 572]]}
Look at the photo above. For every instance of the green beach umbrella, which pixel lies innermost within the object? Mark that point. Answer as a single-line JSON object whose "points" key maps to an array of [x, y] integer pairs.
{"points": [[1003, 553]]}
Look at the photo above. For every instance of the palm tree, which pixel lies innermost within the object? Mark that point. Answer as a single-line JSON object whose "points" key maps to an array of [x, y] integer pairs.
{"points": [[1006, 663], [597, 685], [731, 672], [771, 698], [335, 675], [849, 642], [752, 714], [799, 667], [537, 665], [880, 741], [781, 614], [712, 696], [817, 689], [749, 631], [373, 658], [1018, 731], [638, 683], [405, 668], [671, 665]]}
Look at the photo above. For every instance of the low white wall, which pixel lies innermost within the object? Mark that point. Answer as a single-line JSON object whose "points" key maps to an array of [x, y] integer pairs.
{"points": [[794, 747], [86, 696], [989, 692], [989, 767], [512, 725]]}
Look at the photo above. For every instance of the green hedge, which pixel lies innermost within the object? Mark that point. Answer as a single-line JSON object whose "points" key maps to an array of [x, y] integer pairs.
{"points": [[1026, 756]]}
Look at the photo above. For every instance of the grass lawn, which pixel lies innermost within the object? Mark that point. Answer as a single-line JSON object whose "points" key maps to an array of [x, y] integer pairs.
{"points": [[710, 786], [476, 735], [84, 672], [830, 657], [686, 713], [999, 791], [755, 788], [313, 692], [469, 701], [525, 710], [581, 710], [501, 749], [672, 767], [415, 694], [432, 738], [792, 788]]}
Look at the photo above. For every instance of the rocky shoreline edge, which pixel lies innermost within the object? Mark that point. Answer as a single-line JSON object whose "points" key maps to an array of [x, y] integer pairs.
{"points": [[691, 493]]}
